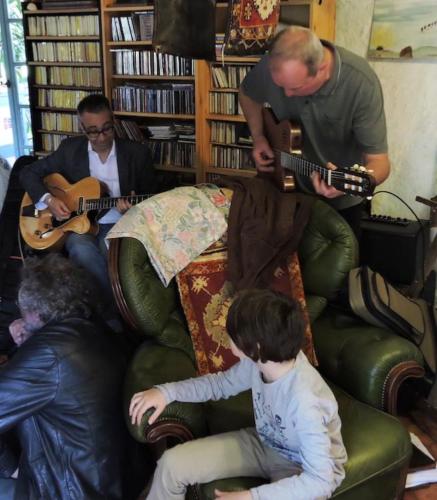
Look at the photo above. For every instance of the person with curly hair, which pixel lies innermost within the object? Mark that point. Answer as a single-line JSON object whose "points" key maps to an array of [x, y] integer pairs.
{"points": [[61, 391]]}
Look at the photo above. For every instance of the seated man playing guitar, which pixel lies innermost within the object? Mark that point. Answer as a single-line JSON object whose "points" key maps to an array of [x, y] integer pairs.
{"points": [[337, 99], [122, 166]]}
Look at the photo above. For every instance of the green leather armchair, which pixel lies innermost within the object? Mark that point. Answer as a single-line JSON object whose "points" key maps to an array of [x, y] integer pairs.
{"points": [[364, 365]]}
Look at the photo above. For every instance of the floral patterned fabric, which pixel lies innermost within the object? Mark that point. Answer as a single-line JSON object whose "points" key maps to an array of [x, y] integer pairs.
{"points": [[251, 25], [176, 226], [206, 297]]}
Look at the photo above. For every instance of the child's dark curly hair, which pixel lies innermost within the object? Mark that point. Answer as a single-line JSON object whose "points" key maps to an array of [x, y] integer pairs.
{"points": [[266, 325]]}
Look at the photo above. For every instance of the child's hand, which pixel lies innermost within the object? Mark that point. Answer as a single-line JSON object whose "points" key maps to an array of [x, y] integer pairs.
{"points": [[233, 495], [143, 401]]}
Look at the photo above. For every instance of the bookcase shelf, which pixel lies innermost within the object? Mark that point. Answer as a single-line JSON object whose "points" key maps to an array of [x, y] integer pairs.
{"points": [[66, 87], [128, 8], [182, 170], [54, 109], [130, 44], [155, 115], [133, 68], [64, 12], [230, 171], [63, 38], [153, 77], [59, 132], [121, 52], [226, 118], [56, 86], [72, 64]]}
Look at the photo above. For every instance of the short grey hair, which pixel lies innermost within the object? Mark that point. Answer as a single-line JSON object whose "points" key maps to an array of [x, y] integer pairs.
{"points": [[300, 44], [55, 289]]}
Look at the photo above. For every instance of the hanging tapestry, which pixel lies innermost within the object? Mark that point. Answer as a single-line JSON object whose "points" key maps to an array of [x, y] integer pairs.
{"points": [[251, 25]]}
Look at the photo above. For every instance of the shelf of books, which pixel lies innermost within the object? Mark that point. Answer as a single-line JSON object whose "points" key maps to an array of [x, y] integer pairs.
{"points": [[64, 58], [225, 141], [152, 93]]}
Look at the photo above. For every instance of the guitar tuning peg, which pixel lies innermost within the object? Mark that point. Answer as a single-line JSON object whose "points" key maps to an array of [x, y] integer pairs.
{"points": [[369, 171], [355, 167]]}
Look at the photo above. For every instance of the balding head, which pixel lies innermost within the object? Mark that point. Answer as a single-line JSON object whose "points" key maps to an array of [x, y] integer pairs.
{"points": [[300, 44]]}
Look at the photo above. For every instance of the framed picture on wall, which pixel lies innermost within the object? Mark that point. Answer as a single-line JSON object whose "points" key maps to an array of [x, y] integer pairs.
{"points": [[404, 29]]}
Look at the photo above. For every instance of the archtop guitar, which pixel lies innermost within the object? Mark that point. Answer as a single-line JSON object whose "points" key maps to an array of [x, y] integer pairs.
{"points": [[285, 139], [85, 200]]}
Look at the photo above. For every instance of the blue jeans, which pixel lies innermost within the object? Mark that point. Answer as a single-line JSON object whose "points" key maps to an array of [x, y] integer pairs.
{"points": [[90, 252]]}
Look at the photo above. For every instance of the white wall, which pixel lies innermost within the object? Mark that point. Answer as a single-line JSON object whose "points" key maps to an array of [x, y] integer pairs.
{"points": [[410, 94]]}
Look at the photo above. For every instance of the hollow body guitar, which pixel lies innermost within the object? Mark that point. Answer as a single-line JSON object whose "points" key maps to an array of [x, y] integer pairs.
{"points": [[285, 139], [40, 229]]}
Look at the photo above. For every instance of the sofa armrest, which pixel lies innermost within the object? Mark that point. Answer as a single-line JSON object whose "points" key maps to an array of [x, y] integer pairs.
{"points": [[152, 365], [368, 362]]}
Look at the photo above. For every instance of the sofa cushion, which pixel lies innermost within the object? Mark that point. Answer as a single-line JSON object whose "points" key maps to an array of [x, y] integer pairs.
{"points": [[156, 309], [340, 337], [328, 250]]}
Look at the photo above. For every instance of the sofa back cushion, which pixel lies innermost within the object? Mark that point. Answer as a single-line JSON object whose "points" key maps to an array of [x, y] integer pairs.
{"points": [[328, 250]]}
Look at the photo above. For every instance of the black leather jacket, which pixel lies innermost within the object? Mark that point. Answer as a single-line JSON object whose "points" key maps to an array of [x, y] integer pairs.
{"points": [[61, 392]]}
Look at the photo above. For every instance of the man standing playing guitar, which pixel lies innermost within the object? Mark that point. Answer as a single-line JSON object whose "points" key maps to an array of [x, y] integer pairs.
{"points": [[334, 95], [124, 167]]}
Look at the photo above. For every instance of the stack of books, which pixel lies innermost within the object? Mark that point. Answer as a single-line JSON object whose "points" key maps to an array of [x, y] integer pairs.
{"points": [[162, 132], [129, 129], [137, 26]]}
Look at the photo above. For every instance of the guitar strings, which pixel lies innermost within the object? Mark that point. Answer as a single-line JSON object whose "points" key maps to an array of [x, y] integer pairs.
{"points": [[303, 163], [307, 164]]}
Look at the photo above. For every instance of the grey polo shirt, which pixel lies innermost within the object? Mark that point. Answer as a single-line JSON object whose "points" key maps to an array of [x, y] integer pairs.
{"points": [[341, 121]]}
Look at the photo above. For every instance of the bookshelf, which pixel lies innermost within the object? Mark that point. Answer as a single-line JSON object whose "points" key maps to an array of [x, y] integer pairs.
{"points": [[63, 47], [223, 141], [152, 93], [198, 132]]}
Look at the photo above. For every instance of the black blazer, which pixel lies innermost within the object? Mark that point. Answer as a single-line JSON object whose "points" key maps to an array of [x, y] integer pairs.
{"points": [[61, 392], [135, 168]]}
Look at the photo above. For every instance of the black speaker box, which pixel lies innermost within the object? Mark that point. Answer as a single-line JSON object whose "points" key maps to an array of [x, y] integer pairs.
{"points": [[394, 247]]}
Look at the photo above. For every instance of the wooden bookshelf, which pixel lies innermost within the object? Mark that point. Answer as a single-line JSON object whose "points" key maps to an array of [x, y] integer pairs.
{"points": [[57, 85], [319, 16], [131, 63]]}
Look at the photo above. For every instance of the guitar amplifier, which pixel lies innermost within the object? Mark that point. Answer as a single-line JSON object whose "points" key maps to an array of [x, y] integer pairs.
{"points": [[394, 247]]}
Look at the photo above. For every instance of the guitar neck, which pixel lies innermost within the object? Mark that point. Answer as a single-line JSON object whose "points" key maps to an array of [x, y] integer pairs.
{"points": [[105, 203], [304, 167]]}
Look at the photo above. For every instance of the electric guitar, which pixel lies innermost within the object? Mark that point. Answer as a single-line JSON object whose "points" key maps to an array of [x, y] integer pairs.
{"points": [[285, 138], [40, 229]]}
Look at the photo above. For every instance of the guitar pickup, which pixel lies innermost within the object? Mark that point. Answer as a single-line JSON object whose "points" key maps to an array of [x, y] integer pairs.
{"points": [[30, 211]]}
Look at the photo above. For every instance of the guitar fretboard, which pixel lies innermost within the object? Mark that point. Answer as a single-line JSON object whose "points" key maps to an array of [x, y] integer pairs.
{"points": [[104, 203], [344, 181], [301, 166]]}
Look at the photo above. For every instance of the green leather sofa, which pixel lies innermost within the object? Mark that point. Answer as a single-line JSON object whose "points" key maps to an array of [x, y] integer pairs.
{"points": [[364, 365]]}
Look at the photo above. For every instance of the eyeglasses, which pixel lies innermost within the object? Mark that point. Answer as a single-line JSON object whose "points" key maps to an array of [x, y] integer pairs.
{"points": [[94, 133]]}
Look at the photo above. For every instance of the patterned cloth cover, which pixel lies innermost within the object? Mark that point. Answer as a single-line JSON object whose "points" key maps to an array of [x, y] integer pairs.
{"points": [[176, 226], [206, 296], [251, 24]]}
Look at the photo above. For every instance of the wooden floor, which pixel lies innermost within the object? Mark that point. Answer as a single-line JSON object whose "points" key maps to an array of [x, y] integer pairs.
{"points": [[425, 430]]}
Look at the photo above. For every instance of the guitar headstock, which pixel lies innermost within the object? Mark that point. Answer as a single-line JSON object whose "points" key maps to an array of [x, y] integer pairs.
{"points": [[356, 180]]}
